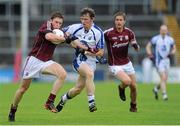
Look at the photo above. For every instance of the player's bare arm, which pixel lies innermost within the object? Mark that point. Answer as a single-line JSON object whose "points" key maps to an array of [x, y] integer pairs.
{"points": [[77, 44], [173, 51], [95, 52], [54, 38], [148, 49]]}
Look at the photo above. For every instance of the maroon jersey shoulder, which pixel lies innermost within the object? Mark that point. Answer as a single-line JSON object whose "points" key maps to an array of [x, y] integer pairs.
{"points": [[42, 48]]}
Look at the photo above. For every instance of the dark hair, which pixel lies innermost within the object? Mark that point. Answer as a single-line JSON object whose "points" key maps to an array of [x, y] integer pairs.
{"points": [[89, 11], [120, 13], [56, 14]]}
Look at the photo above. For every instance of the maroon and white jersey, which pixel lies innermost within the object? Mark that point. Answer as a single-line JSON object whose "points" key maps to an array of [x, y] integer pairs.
{"points": [[117, 45], [42, 48]]}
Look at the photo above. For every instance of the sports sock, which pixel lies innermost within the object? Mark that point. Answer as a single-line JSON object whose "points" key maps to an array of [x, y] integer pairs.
{"points": [[13, 109], [164, 93], [65, 97], [50, 98], [156, 88], [91, 99]]}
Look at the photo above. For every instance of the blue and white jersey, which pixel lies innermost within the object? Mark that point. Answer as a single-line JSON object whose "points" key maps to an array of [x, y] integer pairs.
{"points": [[162, 47], [94, 38]]}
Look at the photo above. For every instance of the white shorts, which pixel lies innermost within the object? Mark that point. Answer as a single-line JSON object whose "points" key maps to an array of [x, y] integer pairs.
{"points": [[77, 63], [163, 65], [33, 67], [127, 68]]}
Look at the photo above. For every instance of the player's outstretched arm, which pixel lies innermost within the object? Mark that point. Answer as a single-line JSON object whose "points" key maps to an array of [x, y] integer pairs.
{"points": [[95, 52], [148, 50], [54, 38], [77, 44], [173, 51]]}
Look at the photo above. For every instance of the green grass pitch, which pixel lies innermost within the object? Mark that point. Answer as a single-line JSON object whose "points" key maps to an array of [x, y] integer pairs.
{"points": [[111, 111]]}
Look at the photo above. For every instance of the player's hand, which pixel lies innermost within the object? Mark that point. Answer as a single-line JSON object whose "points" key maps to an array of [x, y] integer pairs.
{"points": [[93, 50], [136, 46], [102, 60], [83, 47], [82, 51], [69, 38], [150, 56]]}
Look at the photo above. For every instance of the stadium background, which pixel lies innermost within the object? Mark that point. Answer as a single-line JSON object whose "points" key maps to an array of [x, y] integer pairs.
{"points": [[20, 20]]}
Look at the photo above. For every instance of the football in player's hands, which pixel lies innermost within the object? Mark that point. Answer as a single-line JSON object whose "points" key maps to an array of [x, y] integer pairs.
{"points": [[57, 32]]}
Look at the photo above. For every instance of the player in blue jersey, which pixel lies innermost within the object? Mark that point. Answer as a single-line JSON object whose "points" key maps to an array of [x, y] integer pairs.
{"points": [[159, 49], [85, 63]]}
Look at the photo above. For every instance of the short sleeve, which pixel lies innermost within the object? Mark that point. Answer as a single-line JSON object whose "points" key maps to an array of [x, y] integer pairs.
{"points": [[45, 28], [132, 37], [72, 29], [100, 35], [101, 41], [153, 40], [172, 41], [105, 36]]}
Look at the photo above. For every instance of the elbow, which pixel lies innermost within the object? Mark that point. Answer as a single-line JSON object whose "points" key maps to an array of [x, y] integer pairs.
{"points": [[49, 37]]}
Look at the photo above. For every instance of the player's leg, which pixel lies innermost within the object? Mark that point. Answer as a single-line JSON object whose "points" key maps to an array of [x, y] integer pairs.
{"points": [[155, 90], [156, 85], [126, 81], [57, 70], [163, 77], [86, 71], [163, 73], [80, 84], [17, 98], [133, 93]]}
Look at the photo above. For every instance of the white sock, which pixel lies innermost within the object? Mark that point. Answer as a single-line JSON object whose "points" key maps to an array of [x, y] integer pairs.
{"points": [[65, 97], [155, 89], [165, 96], [91, 99]]}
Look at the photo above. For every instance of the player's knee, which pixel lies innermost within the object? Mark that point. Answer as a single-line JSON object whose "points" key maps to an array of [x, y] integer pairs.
{"points": [[164, 78], [127, 81], [62, 75], [90, 75]]}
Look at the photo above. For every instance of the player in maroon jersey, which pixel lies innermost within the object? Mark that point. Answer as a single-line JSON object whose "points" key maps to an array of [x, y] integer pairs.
{"points": [[117, 40], [39, 61]]}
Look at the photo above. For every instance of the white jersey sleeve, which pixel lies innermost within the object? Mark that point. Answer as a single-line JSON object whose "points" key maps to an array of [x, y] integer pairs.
{"points": [[98, 33], [72, 29], [154, 39]]}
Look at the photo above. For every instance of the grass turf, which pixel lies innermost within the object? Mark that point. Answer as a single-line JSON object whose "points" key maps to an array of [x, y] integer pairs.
{"points": [[111, 111]]}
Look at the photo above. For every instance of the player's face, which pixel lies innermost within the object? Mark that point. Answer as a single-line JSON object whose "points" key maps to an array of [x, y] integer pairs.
{"points": [[119, 22], [57, 22], [163, 30], [86, 21]]}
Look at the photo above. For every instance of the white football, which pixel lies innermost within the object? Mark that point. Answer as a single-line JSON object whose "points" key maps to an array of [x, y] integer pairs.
{"points": [[59, 33]]}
